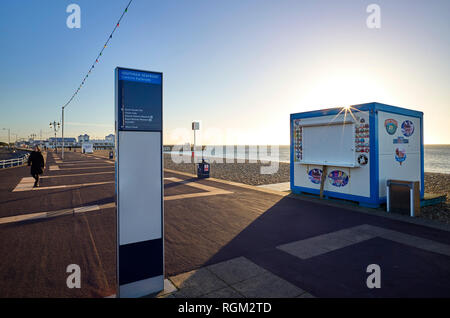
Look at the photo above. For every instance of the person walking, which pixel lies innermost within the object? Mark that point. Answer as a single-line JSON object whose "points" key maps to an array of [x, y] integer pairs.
{"points": [[36, 160]]}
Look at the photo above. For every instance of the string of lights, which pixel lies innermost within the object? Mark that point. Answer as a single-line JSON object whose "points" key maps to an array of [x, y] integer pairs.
{"points": [[97, 59]]}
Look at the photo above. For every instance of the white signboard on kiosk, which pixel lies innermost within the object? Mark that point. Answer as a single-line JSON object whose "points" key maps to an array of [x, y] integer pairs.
{"points": [[139, 182]]}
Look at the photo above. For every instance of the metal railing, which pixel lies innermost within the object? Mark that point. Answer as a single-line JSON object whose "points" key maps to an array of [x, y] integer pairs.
{"points": [[14, 162]]}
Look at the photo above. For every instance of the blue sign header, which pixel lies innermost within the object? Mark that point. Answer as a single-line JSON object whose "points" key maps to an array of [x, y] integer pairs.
{"points": [[138, 76], [138, 100]]}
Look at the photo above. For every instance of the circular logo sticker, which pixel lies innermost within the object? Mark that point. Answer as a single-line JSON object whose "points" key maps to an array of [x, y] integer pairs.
{"points": [[407, 128], [338, 178], [363, 160], [400, 154], [315, 175], [391, 126]]}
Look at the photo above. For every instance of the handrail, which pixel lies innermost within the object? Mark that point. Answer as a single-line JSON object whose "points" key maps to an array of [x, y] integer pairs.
{"points": [[14, 162]]}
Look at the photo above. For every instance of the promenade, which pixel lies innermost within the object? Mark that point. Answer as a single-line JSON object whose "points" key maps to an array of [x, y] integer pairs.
{"points": [[222, 239]]}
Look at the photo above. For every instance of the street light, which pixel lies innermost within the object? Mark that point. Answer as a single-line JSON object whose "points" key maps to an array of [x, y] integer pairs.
{"points": [[9, 135], [15, 143], [55, 125]]}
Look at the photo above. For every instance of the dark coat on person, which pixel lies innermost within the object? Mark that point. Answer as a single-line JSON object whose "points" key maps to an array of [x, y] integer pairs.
{"points": [[36, 160]]}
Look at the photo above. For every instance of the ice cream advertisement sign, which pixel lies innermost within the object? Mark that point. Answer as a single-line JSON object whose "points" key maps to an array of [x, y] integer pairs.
{"points": [[391, 126]]}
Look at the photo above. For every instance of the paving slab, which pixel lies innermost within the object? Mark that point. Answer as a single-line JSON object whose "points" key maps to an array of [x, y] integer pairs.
{"points": [[169, 289], [267, 285], [226, 292], [236, 270], [197, 282]]}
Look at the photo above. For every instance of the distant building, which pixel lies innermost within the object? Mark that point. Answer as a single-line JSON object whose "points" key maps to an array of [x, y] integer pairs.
{"points": [[83, 138], [110, 138], [39, 143], [102, 143], [57, 142]]}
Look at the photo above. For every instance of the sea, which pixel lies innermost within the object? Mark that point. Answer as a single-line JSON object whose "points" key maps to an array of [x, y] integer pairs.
{"points": [[437, 157]]}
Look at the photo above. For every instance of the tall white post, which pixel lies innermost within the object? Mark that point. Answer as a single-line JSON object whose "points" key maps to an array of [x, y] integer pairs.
{"points": [[62, 134], [195, 126]]}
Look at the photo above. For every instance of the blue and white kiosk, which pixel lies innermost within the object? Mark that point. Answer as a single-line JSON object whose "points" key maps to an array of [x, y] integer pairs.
{"points": [[359, 148]]}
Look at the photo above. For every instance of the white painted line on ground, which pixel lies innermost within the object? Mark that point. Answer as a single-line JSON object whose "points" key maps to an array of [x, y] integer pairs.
{"points": [[333, 241], [283, 186], [90, 167], [85, 163], [77, 174], [102, 158], [77, 161], [26, 217], [51, 214], [28, 188], [54, 167], [232, 183], [88, 208], [194, 195], [26, 184], [72, 185], [210, 190]]}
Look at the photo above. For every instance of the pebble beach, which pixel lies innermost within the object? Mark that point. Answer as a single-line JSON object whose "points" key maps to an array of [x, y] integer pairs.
{"points": [[249, 173]]}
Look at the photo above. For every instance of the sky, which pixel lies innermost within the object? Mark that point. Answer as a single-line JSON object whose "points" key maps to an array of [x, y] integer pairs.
{"points": [[238, 66]]}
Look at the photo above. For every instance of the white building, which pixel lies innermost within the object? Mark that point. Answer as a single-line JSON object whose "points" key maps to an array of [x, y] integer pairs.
{"points": [[110, 138], [57, 142], [83, 138], [103, 143]]}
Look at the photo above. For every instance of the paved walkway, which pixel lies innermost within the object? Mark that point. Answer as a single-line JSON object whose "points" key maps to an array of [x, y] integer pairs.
{"points": [[222, 239], [69, 219], [309, 248], [283, 186]]}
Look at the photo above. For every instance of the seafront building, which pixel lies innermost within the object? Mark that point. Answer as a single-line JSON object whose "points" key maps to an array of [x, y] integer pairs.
{"points": [[58, 142], [52, 142], [83, 138]]}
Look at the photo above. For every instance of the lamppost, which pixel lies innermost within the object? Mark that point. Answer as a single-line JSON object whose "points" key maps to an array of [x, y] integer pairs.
{"points": [[9, 136], [32, 139], [15, 143], [62, 134], [55, 125]]}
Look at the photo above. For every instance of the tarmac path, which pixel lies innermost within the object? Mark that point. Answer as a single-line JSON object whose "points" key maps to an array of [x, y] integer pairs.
{"points": [[35, 253], [321, 249]]}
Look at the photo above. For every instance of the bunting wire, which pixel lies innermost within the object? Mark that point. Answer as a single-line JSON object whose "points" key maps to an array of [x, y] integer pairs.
{"points": [[99, 55]]}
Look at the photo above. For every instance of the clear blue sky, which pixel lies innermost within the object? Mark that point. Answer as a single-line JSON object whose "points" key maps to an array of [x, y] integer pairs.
{"points": [[239, 66]]}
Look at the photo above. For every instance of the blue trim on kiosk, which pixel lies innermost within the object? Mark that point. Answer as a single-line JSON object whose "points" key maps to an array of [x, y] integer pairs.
{"points": [[372, 108]]}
